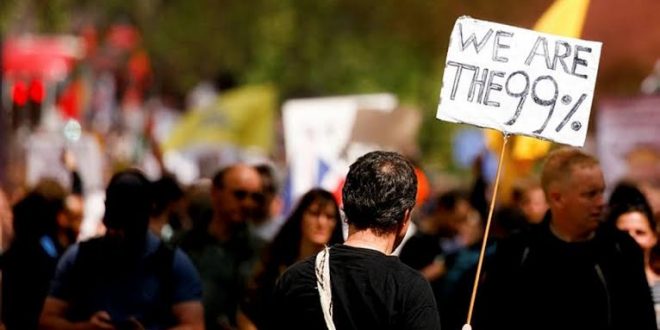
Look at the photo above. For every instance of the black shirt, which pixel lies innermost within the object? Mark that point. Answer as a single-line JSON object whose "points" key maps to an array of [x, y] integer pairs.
{"points": [[369, 290]]}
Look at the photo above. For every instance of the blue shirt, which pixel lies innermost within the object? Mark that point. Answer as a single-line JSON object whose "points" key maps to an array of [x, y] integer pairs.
{"points": [[134, 295]]}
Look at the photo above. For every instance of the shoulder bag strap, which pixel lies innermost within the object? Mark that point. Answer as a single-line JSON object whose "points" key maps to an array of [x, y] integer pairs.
{"points": [[322, 270]]}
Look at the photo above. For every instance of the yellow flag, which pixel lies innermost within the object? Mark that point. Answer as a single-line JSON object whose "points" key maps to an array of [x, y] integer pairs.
{"points": [[241, 117], [564, 18]]}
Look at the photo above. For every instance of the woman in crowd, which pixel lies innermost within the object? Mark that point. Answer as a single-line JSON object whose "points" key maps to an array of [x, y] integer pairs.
{"points": [[314, 223], [630, 212]]}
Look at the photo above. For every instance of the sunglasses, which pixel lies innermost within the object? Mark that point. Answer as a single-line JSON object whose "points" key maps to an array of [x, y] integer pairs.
{"points": [[241, 195]]}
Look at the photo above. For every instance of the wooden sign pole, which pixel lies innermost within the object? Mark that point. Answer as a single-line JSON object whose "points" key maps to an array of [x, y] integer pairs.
{"points": [[467, 325]]}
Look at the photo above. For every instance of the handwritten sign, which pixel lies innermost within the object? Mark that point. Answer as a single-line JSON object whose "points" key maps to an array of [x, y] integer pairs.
{"points": [[519, 81]]}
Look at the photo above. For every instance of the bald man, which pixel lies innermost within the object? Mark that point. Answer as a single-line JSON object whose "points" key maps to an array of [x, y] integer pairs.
{"points": [[225, 250]]}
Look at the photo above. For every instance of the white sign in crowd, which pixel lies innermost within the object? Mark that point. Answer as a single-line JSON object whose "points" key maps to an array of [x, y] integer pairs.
{"points": [[519, 81], [317, 137]]}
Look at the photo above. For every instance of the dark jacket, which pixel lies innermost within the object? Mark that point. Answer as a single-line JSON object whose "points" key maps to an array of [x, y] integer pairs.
{"points": [[537, 281]]}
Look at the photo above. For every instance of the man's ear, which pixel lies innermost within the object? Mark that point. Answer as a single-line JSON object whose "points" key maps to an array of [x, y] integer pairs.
{"points": [[402, 229], [553, 194], [407, 216], [406, 221]]}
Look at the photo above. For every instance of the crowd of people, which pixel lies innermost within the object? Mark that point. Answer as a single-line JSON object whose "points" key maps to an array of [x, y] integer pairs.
{"points": [[218, 255]]}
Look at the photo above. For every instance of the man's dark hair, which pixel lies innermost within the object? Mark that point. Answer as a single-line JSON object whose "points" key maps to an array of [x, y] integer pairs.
{"points": [[380, 187], [166, 191], [270, 189], [268, 179], [128, 201], [218, 180], [449, 200]]}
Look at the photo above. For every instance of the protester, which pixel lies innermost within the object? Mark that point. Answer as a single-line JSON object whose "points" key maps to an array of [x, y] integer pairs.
{"points": [[198, 209], [29, 263], [568, 272], [439, 234], [531, 200], [225, 251], [631, 213], [314, 223], [454, 291], [71, 219], [268, 221], [127, 279], [452, 227], [358, 285], [67, 215], [165, 220], [527, 207]]}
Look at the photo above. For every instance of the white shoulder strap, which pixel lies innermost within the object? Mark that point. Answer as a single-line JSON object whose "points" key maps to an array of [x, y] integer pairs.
{"points": [[323, 284]]}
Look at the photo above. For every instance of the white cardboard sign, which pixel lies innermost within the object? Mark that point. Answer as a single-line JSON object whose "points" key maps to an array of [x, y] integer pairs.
{"points": [[519, 81]]}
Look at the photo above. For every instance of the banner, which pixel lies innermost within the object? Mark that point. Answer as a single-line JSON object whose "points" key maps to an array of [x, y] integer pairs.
{"points": [[622, 153], [519, 81], [242, 117]]}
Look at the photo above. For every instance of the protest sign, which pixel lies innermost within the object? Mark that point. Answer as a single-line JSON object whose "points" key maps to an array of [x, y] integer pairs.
{"points": [[625, 155], [519, 81], [320, 135]]}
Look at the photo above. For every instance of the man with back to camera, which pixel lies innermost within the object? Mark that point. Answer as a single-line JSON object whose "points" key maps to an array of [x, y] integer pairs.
{"points": [[127, 279], [569, 271], [362, 286]]}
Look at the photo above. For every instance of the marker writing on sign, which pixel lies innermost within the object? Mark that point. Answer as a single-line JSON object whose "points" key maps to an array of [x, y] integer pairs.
{"points": [[482, 85], [560, 53]]}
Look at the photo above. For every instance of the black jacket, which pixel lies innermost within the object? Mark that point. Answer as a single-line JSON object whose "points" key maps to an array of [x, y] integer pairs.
{"points": [[537, 281]]}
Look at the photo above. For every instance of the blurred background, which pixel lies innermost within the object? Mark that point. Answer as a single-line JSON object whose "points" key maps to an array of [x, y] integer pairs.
{"points": [[184, 87], [181, 88]]}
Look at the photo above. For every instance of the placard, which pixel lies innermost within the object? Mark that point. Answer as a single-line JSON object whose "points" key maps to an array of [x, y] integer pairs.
{"points": [[519, 81], [317, 137]]}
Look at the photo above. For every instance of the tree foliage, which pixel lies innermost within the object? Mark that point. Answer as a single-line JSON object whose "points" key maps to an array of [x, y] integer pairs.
{"points": [[307, 48]]}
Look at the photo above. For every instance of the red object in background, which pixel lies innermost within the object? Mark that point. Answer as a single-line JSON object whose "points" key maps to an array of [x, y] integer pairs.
{"points": [[69, 103], [630, 33], [90, 38], [123, 36], [19, 93], [337, 192], [37, 91], [139, 66], [423, 188], [42, 57], [139, 71]]}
